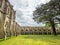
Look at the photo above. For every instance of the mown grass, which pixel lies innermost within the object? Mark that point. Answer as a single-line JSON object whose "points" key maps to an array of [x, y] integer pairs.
{"points": [[32, 40]]}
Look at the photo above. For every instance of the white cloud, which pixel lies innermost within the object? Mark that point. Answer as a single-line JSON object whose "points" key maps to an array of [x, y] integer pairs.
{"points": [[24, 10]]}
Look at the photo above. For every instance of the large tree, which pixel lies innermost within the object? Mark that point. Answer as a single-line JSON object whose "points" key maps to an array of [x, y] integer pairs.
{"points": [[47, 12]]}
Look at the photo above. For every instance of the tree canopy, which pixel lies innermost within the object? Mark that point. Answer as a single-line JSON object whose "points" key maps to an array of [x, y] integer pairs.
{"points": [[47, 13]]}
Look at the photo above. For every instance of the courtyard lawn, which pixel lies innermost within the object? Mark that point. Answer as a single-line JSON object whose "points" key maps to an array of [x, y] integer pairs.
{"points": [[32, 40]]}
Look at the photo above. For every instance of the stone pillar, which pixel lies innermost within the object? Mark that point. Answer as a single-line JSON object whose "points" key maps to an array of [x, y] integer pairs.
{"points": [[2, 17], [1, 26], [12, 22], [7, 20]]}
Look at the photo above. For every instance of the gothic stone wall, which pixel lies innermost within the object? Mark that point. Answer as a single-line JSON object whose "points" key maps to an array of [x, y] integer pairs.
{"points": [[7, 19]]}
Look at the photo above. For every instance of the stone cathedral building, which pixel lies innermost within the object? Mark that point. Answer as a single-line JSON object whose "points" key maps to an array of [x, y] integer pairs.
{"points": [[7, 19], [9, 27]]}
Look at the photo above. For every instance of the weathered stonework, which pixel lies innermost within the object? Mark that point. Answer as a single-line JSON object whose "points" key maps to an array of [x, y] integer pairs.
{"points": [[7, 19], [2, 17]]}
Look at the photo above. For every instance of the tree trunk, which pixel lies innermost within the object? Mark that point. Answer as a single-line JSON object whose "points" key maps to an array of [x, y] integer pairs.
{"points": [[53, 26]]}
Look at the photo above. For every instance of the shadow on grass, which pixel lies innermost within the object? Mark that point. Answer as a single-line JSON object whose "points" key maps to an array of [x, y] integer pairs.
{"points": [[1, 40]]}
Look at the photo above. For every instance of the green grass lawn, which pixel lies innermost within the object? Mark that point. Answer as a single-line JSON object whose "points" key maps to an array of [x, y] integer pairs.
{"points": [[32, 40]]}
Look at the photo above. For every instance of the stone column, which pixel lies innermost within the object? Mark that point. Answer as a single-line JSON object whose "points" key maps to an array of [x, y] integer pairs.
{"points": [[11, 26], [6, 22], [1, 26], [14, 22], [2, 17]]}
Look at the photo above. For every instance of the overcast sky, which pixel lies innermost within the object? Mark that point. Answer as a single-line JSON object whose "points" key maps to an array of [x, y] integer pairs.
{"points": [[24, 10]]}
